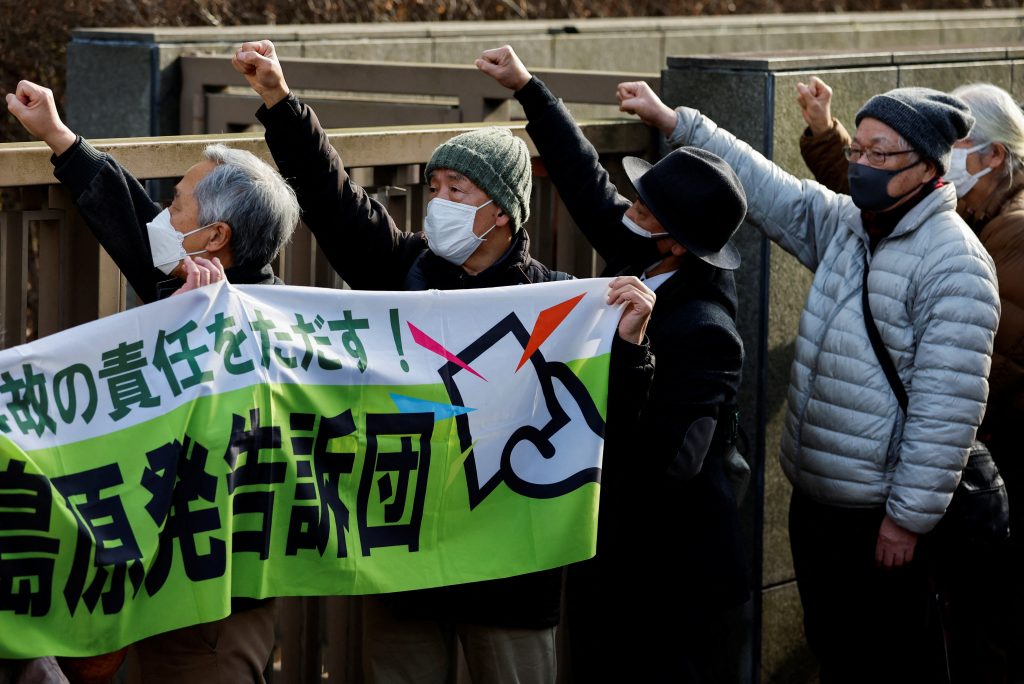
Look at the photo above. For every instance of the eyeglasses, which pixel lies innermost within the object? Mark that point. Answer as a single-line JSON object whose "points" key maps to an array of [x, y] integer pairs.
{"points": [[875, 157]]}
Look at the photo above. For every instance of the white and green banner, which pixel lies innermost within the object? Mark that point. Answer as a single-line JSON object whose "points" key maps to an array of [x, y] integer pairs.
{"points": [[278, 441]]}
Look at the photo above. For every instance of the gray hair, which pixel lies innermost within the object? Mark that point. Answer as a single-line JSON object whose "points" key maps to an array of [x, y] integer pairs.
{"points": [[997, 119], [250, 196]]}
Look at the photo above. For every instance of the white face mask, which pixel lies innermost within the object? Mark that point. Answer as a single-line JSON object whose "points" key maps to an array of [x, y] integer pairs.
{"points": [[449, 229], [635, 227], [958, 175], [165, 242]]}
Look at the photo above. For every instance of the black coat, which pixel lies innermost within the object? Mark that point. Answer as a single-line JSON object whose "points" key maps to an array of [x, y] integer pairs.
{"points": [[677, 541], [366, 248], [116, 208]]}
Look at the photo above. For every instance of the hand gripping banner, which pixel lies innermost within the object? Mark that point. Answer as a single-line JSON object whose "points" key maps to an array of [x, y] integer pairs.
{"points": [[280, 441]]}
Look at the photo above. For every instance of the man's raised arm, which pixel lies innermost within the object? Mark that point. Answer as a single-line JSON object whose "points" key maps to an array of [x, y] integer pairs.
{"points": [[355, 232]]}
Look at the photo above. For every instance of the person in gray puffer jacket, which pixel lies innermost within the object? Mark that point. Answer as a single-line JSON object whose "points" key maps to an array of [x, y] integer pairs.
{"points": [[867, 481]]}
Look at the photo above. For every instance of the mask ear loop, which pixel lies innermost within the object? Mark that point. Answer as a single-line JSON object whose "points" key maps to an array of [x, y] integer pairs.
{"points": [[482, 237], [185, 235], [196, 230]]}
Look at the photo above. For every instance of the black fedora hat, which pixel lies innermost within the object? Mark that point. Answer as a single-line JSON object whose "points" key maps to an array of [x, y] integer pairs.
{"points": [[697, 198]]}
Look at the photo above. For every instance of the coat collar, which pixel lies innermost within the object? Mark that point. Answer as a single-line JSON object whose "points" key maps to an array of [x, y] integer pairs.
{"points": [[432, 272]]}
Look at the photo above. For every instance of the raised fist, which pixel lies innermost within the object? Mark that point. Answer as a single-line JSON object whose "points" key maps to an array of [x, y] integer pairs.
{"points": [[259, 64], [33, 106]]}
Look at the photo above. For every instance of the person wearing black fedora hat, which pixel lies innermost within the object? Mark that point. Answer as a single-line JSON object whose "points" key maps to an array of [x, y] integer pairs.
{"points": [[697, 199], [670, 499], [874, 450]]}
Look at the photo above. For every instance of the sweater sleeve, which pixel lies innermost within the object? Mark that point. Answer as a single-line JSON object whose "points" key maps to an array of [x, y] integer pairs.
{"points": [[583, 184], [825, 158], [116, 208], [355, 232]]}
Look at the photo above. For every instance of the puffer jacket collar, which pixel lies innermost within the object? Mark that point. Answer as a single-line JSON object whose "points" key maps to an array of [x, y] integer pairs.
{"points": [[942, 198]]}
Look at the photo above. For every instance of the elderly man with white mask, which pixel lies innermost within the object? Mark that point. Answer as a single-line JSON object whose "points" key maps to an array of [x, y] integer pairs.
{"points": [[231, 206], [236, 211]]}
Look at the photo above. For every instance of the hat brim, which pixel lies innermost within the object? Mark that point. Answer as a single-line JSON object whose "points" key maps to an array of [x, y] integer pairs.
{"points": [[727, 258]]}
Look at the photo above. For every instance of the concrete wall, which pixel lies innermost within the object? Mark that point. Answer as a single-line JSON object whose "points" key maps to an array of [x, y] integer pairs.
{"points": [[754, 97], [124, 82]]}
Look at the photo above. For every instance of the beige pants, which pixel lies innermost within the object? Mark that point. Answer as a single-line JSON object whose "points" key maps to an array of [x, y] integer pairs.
{"points": [[424, 651], [233, 650]]}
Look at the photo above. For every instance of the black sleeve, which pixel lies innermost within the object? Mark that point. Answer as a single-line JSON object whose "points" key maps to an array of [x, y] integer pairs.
{"points": [[116, 208], [583, 184], [355, 232], [629, 380], [699, 369]]}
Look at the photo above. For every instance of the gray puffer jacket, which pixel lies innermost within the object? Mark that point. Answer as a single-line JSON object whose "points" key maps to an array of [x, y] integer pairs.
{"points": [[932, 290]]}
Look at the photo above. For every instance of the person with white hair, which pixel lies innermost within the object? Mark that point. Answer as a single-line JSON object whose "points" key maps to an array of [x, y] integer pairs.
{"points": [[231, 206], [987, 170], [237, 211]]}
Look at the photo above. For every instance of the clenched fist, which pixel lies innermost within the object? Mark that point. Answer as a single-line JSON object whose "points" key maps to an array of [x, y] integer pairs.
{"points": [[259, 64], [815, 99], [33, 106], [636, 97], [504, 66], [639, 303]]}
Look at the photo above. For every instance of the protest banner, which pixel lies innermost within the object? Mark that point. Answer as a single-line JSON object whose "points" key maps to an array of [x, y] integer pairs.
{"points": [[277, 441]]}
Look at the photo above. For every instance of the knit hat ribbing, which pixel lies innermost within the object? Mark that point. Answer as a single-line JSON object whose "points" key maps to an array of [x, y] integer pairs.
{"points": [[497, 162], [929, 120]]}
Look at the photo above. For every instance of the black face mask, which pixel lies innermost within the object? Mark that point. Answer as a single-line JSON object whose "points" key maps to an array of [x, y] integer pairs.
{"points": [[868, 186]]}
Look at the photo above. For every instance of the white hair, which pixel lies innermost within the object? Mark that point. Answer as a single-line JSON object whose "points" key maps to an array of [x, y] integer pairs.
{"points": [[250, 196], [997, 119]]}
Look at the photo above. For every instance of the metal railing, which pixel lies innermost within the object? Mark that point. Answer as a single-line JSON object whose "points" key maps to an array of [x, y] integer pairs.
{"points": [[357, 93]]}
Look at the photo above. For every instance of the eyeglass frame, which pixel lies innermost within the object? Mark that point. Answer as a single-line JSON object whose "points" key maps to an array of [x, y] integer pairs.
{"points": [[849, 152]]}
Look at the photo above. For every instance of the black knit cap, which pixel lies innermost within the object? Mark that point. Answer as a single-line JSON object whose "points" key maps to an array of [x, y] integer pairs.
{"points": [[929, 120], [697, 198]]}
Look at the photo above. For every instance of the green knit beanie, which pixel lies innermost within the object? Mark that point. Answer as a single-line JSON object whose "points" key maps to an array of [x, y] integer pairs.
{"points": [[497, 162]]}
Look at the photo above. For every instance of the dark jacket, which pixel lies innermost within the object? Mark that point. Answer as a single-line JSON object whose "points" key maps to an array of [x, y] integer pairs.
{"points": [[366, 248], [646, 505], [116, 208]]}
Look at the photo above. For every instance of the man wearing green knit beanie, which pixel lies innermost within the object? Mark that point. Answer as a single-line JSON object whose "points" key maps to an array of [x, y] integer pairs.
{"points": [[480, 185], [473, 237], [497, 162]]}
